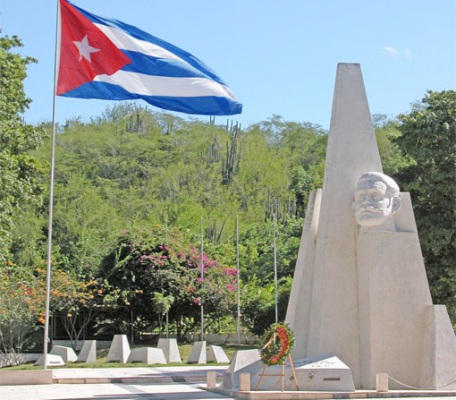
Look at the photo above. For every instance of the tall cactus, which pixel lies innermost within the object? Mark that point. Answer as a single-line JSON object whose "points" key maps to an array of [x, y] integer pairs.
{"points": [[212, 234], [230, 165], [279, 207]]}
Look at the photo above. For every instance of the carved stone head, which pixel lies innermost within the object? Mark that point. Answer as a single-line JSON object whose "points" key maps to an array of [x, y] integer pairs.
{"points": [[376, 199]]}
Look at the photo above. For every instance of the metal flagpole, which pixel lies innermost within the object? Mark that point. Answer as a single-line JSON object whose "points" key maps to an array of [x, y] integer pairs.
{"points": [[51, 194], [275, 275], [238, 283], [202, 279], [167, 312]]}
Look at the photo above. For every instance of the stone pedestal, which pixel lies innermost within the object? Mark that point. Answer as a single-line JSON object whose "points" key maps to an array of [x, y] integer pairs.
{"points": [[147, 355], [393, 297], [198, 354], [67, 353], [51, 360], [119, 350], [88, 353], [211, 379], [216, 354], [323, 373], [243, 361], [170, 350]]}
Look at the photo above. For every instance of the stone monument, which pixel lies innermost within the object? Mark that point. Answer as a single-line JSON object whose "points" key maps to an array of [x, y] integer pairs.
{"points": [[360, 289]]}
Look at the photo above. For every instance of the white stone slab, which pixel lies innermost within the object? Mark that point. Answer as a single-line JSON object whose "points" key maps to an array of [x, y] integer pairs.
{"points": [[67, 353], [51, 360], [217, 354], [147, 355], [198, 354], [170, 349], [119, 350], [323, 373], [88, 353], [439, 350], [243, 361]]}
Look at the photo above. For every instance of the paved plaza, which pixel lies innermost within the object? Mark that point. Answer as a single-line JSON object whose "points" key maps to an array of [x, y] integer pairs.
{"points": [[164, 383], [177, 383], [108, 391]]}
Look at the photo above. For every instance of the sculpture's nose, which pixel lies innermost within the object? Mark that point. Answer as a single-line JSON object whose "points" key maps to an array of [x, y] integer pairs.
{"points": [[365, 199]]}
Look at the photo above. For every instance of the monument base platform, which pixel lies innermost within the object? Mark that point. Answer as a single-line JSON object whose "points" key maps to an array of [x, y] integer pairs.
{"points": [[358, 394]]}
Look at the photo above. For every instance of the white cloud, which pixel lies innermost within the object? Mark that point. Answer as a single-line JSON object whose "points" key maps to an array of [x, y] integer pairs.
{"points": [[397, 53]]}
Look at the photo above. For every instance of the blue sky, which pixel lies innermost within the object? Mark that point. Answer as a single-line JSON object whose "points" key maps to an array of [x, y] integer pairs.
{"points": [[279, 57]]}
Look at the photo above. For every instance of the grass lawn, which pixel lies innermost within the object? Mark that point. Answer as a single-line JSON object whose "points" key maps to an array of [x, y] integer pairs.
{"points": [[184, 349]]}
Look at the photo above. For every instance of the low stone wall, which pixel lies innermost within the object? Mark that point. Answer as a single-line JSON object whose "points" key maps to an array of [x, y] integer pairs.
{"points": [[101, 344], [6, 360], [35, 377], [224, 338]]}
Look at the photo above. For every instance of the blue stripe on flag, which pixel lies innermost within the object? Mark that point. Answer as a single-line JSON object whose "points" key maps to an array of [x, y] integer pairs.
{"points": [[143, 63], [190, 105]]}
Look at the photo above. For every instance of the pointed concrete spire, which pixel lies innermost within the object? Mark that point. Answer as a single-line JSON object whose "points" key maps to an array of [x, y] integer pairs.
{"points": [[361, 294], [352, 150]]}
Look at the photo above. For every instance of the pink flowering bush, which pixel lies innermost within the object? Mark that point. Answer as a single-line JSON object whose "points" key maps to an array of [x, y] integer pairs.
{"points": [[145, 262]]}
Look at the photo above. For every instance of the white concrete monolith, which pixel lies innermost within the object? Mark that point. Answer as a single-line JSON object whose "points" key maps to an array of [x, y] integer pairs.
{"points": [[67, 353], [217, 354], [198, 354], [361, 292], [119, 350], [243, 362], [88, 353], [170, 349], [51, 360], [147, 355]]}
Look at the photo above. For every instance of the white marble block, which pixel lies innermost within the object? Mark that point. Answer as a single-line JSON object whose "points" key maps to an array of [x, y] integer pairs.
{"points": [[216, 354], [170, 349], [88, 353], [243, 361], [119, 350], [198, 354], [325, 373], [147, 355], [67, 353], [51, 360]]}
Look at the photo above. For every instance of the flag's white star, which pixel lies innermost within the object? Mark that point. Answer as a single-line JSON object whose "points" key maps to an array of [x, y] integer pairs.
{"points": [[85, 49]]}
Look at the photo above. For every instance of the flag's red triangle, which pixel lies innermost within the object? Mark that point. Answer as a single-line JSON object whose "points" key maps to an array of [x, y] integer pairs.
{"points": [[85, 51]]}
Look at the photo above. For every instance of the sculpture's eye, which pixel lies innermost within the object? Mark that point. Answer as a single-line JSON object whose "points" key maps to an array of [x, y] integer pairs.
{"points": [[360, 196]]}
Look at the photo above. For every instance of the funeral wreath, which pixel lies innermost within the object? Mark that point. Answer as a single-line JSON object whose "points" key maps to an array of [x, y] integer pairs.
{"points": [[276, 344]]}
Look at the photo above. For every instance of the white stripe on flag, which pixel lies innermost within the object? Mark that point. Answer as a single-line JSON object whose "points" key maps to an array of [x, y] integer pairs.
{"points": [[149, 85], [126, 42]]}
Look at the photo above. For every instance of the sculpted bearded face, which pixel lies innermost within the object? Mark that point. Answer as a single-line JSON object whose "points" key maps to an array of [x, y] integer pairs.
{"points": [[376, 199]]}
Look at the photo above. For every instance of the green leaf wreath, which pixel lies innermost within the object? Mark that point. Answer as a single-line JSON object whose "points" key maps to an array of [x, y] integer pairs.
{"points": [[276, 344]]}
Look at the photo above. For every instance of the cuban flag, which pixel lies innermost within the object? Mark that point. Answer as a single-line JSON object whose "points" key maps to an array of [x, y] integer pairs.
{"points": [[102, 58]]}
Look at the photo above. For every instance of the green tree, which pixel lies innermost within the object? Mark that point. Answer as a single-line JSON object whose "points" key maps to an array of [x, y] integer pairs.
{"points": [[161, 305], [21, 306], [20, 172], [257, 250], [429, 138], [258, 303], [78, 302]]}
